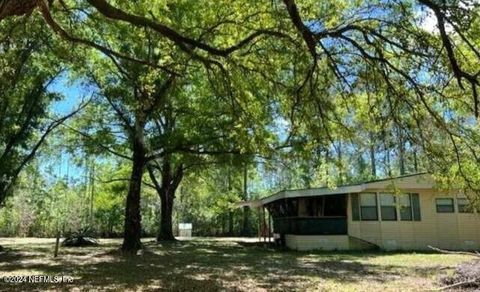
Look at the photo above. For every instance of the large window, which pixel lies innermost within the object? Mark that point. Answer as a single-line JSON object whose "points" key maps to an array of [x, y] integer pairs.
{"points": [[364, 207], [388, 207], [368, 206], [445, 205], [464, 206], [406, 213]]}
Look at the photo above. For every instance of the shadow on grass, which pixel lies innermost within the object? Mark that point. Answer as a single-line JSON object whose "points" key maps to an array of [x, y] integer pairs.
{"points": [[197, 265]]}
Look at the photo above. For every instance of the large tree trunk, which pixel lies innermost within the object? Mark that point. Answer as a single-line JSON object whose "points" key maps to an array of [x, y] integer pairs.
{"points": [[166, 189], [133, 228], [166, 221], [17, 7]]}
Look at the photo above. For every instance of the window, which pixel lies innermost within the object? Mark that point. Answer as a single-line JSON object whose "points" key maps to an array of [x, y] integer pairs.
{"points": [[405, 207], [417, 216], [364, 207], [464, 206], [355, 207], [368, 207], [445, 205], [388, 207]]}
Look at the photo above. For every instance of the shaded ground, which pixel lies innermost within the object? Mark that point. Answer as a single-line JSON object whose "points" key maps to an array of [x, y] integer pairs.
{"points": [[212, 265]]}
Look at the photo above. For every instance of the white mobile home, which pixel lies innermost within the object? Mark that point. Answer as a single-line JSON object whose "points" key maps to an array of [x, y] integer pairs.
{"points": [[407, 213]]}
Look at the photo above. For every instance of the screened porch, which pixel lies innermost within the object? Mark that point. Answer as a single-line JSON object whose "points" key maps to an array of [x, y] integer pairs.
{"points": [[316, 215]]}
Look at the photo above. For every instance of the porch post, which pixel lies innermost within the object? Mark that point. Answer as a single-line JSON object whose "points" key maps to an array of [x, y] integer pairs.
{"points": [[264, 225], [259, 227], [269, 227]]}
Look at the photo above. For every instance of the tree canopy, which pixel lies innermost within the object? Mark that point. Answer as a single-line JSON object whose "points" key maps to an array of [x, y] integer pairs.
{"points": [[308, 92]]}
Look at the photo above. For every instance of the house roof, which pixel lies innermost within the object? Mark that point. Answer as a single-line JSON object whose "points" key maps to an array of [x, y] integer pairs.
{"points": [[406, 182]]}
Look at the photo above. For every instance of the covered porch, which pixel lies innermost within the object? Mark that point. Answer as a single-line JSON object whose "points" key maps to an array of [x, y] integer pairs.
{"points": [[319, 215], [289, 216]]}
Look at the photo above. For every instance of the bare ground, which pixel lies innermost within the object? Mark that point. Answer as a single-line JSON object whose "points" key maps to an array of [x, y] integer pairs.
{"points": [[219, 265]]}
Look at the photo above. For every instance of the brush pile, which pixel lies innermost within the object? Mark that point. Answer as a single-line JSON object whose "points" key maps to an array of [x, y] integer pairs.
{"points": [[466, 276]]}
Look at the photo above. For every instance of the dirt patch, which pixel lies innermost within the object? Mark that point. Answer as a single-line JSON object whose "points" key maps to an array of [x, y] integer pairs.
{"points": [[206, 264]]}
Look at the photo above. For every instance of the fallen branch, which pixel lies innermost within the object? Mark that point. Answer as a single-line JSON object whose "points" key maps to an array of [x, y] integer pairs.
{"points": [[466, 274], [475, 254], [460, 284]]}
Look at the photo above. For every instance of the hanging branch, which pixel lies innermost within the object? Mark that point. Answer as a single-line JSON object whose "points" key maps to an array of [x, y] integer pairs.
{"points": [[25, 7], [459, 73], [45, 11], [51, 127]]}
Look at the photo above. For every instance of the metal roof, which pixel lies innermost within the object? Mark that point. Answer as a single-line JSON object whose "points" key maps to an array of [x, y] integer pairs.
{"points": [[406, 182]]}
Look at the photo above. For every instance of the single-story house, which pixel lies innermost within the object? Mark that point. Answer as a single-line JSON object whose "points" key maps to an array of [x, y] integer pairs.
{"points": [[406, 212]]}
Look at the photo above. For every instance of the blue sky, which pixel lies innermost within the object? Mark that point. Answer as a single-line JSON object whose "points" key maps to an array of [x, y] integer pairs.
{"points": [[73, 93]]}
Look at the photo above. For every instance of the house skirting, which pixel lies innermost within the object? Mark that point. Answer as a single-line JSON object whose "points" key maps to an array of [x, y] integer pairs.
{"points": [[324, 242]]}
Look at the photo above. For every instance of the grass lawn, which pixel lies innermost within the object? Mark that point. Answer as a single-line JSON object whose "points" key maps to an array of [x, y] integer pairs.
{"points": [[211, 265]]}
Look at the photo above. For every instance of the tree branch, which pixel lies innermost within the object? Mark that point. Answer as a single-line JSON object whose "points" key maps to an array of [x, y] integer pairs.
{"points": [[185, 43]]}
